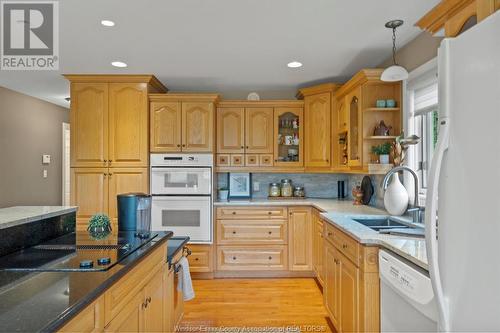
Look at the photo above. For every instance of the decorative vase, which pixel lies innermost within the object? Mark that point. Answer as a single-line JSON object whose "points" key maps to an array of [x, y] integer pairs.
{"points": [[396, 197], [384, 159]]}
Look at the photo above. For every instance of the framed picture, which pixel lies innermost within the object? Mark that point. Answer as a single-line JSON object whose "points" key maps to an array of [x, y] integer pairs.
{"points": [[240, 185]]}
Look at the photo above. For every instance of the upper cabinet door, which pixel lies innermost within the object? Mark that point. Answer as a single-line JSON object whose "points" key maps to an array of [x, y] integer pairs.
{"points": [[317, 130], [89, 124], [259, 130], [128, 125], [231, 130], [165, 127], [341, 115], [354, 141], [288, 137], [197, 126]]}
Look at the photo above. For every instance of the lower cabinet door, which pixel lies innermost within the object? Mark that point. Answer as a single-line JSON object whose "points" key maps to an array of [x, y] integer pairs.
{"points": [[130, 318], [259, 258], [332, 283], [89, 191], [319, 252], [153, 310], [168, 300], [349, 292], [91, 319], [300, 239]]}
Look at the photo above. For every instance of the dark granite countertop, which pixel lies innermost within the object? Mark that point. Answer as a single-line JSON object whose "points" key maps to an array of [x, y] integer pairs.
{"points": [[32, 302], [175, 244]]}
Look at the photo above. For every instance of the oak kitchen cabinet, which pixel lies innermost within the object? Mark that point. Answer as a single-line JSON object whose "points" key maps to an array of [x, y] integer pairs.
{"points": [[248, 133], [351, 285], [318, 246], [182, 122], [317, 123], [109, 140], [109, 119], [355, 117], [94, 190], [300, 235]]}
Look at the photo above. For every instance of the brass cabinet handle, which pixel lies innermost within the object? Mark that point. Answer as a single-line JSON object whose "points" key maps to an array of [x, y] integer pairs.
{"points": [[330, 233], [105, 174], [344, 246], [148, 299], [110, 174]]}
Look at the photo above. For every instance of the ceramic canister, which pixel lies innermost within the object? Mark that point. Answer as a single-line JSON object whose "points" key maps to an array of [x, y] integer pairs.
{"points": [[396, 197]]}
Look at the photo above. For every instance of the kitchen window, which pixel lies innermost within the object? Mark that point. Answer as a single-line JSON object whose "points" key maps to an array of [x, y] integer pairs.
{"points": [[422, 120]]}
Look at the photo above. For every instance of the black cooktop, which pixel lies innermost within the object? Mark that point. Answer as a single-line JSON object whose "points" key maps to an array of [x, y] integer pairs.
{"points": [[75, 252]]}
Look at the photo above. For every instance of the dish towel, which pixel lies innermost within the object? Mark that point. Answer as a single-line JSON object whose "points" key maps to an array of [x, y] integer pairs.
{"points": [[185, 285]]}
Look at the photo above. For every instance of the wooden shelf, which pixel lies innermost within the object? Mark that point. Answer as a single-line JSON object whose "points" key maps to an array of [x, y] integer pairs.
{"points": [[386, 137], [381, 109]]}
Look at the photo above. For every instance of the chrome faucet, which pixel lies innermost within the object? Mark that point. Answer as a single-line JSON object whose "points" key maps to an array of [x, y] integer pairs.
{"points": [[417, 212]]}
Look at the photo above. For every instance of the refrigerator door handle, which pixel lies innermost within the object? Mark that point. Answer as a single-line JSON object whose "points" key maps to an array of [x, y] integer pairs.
{"points": [[431, 205]]}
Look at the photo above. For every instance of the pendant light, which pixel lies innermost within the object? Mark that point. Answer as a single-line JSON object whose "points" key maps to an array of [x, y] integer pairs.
{"points": [[395, 72]]}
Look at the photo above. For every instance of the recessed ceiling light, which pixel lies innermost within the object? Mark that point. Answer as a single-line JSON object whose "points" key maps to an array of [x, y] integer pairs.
{"points": [[294, 64], [119, 64], [108, 23]]}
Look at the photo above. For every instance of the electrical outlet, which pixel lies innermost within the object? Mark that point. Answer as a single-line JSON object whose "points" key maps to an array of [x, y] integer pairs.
{"points": [[45, 159], [256, 186]]}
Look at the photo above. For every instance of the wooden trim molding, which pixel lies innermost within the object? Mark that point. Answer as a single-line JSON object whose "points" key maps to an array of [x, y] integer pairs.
{"points": [[318, 89], [453, 14], [265, 103], [118, 78], [361, 77], [191, 97]]}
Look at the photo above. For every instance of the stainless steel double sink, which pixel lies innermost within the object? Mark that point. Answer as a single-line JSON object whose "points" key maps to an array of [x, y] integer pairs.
{"points": [[390, 225]]}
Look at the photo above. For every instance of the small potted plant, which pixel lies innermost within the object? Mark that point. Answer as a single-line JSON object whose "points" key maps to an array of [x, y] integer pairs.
{"points": [[223, 193], [99, 226], [383, 150]]}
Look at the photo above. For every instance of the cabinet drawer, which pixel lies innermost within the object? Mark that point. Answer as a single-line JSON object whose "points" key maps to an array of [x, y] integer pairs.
{"points": [[251, 231], [200, 259], [252, 213], [231, 258], [347, 245]]}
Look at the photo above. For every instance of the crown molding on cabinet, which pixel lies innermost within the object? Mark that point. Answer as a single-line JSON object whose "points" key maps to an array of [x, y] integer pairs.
{"points": [[119, 78]]}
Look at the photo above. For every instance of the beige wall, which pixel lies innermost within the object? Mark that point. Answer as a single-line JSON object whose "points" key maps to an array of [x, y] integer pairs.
{"points": [[30, 127], [417, 52]]}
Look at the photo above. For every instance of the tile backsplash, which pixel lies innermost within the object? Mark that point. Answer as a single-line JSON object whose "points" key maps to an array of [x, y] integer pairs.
{"points": [[316, 185]]}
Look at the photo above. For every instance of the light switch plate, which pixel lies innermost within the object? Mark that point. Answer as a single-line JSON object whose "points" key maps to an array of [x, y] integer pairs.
{"points": [[45, 159], [45, 173]]}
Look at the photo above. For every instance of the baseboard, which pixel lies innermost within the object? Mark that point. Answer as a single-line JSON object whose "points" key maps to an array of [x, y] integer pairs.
{"points": [[262, 274], [202, 275]]}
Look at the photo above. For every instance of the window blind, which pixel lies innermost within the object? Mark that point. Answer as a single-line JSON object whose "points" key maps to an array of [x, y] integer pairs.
{"points": [[426, 99]]}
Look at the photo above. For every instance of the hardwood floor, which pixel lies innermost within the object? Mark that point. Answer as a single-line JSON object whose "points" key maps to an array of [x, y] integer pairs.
{"points": [[273, 304]]}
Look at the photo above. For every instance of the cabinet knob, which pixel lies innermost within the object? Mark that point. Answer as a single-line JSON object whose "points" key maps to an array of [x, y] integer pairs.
{"points": [[234, 232], [327, 161], [275, 160], [246, 147], [270, 258], [269, 213], [242, 147], [196, 259], [105, 174], [184, 145], [330, 233], [270, 232], [234, 213], [178, 145], [234, 258], [110, 174]]}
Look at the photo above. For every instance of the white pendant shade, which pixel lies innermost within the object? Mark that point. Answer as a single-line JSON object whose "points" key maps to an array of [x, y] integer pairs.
{"points": [[394, 73]]}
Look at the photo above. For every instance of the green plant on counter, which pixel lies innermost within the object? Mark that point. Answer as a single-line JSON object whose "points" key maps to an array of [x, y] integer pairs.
{"points": [[99, 226], [382, 149]]}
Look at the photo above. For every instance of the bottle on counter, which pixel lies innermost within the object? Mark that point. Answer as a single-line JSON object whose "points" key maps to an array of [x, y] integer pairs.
{"points": [[274, 190], [298, 191], [286, 188]]}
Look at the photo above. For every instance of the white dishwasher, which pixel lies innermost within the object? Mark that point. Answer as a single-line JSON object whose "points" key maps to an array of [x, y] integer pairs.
{"points": [[406, 297]]}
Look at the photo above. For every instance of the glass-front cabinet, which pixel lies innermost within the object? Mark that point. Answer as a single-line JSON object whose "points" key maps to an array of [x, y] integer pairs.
{"points": [[355, 143], [288, 136]]}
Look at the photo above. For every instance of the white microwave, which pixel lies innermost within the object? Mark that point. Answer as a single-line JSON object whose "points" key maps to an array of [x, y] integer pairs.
{"points": [[181, 181]]}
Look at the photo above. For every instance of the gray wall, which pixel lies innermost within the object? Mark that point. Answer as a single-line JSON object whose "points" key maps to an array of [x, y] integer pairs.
{"points": [[416, 53], [30, 127]]}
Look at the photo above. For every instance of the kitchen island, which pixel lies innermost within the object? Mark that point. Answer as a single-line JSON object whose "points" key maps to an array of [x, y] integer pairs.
{"points": [[43, 288]]}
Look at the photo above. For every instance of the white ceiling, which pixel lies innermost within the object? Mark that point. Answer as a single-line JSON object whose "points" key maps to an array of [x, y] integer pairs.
{"points": [[227, 46]]}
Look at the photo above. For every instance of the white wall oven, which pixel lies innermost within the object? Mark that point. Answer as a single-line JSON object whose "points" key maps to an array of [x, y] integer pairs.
{"points": [[181, 186]]}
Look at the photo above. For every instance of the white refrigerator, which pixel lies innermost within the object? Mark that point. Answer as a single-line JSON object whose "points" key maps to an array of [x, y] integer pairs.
{"points": [[463, 243]]}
